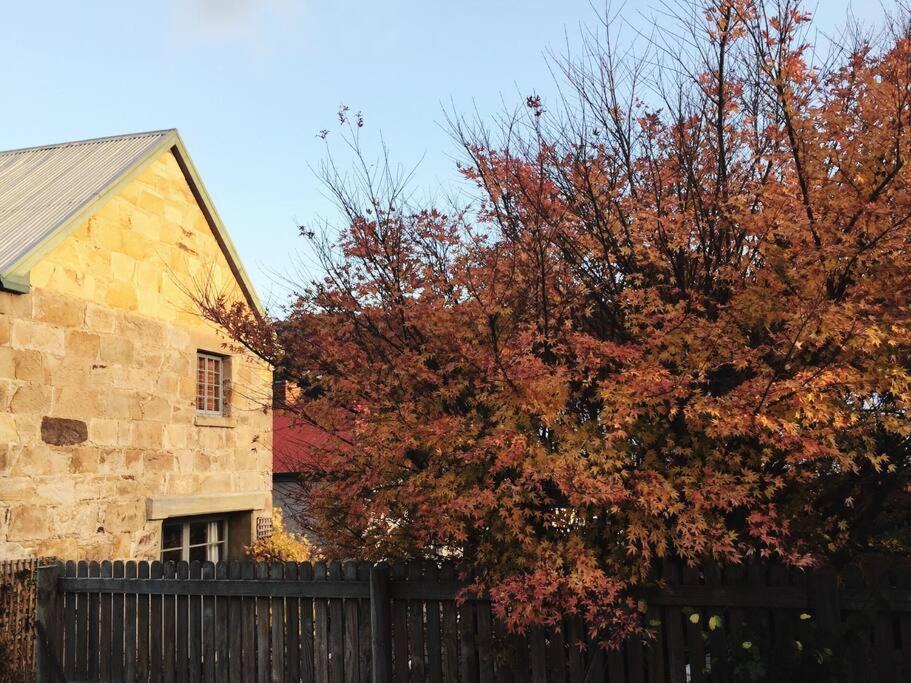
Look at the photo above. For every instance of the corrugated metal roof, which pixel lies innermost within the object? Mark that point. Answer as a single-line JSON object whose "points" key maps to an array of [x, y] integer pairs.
{"points": [[42, 187]]}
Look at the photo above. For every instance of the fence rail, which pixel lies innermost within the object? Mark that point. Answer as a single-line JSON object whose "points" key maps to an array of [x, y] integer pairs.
{"points": [[352, 622]]}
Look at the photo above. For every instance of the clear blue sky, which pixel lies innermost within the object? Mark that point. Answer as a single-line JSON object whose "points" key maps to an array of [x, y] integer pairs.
{"points": [[249, 83]]}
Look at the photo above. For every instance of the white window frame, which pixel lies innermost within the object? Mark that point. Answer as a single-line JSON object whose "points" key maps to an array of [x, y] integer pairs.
{"points": [[220, 397], [214, 549]]}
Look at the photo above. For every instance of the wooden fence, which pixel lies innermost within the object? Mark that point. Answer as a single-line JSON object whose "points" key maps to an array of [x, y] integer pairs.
{"points": [[17, 614], [350, 622]]}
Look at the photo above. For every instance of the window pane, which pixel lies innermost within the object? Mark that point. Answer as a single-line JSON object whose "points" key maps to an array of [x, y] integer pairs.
{"points": [[220, 526], [171, 535], [198, 553], [199, 532], [170, 556]]}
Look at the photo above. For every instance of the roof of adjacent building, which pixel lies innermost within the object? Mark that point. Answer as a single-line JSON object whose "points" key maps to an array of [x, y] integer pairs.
{"points": [[47, 192]]}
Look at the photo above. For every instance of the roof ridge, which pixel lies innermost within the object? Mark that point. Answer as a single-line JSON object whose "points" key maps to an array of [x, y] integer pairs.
{"points": [[88, 141]]}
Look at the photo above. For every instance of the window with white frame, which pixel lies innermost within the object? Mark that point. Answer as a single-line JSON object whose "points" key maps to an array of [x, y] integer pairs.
{"points": [[188, 539], [210, 384]]}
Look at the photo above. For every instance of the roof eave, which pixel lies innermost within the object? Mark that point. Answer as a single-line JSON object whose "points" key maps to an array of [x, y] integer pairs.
{"points": [[218, 227], [16, 284]]}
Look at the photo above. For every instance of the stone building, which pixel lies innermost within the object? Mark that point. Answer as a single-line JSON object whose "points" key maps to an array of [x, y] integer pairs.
{"points": [[129, 428]]}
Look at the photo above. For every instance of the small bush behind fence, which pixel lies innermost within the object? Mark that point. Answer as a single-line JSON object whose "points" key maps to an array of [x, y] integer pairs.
{"points": [[349, 622]]}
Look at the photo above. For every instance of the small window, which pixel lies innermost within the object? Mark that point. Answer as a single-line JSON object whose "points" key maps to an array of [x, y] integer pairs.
{"points": [[210, 393], [188, 539]]}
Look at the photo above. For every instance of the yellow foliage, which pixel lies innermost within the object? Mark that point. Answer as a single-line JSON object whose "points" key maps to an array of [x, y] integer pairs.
{"points": [[281, 545]]}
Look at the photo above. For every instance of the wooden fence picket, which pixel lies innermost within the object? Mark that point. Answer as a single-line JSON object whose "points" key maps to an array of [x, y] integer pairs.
{"points": [[351, 632], [248, 619], [82, 625], [169, 627], [364, 633], [208, 626], [292, 627], [145, 633], [399, 629], [194, 628], [277, 609], [321, 629], [221, 624], [263, 621], [415, 627], [235, 626], [129, 626], [305, 573]]}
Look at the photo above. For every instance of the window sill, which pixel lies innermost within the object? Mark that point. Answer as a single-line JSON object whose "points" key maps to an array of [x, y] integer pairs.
{"points": [[214, 421]]}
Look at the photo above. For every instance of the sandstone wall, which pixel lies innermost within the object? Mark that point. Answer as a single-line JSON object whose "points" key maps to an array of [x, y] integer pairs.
{"points": [[101, 357]]}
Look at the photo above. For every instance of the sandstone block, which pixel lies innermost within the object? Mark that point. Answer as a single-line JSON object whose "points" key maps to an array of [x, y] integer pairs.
{"points": [[176, 435], [7, 389], [103, 432], [56, 491], [132, 460], [215, 482], [7, 362], [116, 349], [37, 460], [95, 487], [155, 408], [28, 522], [145, 543], [8, 454], [99, 318], [147, 434], [73, 400], [60, 547], [65, 371], [121, 295], [8, 433], [118, 405], [16, 305], [15, 489], [31, 397], [55, 310], [29, 366], [119, 517], [110, 461], [84, 460], [38, 336], [28, 427], [81, 344], [151, 201], [123, 267], [181, 485], [157, 461]]}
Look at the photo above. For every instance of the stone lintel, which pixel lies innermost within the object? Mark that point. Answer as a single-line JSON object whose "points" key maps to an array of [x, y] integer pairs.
{"points": [[162, 507]]}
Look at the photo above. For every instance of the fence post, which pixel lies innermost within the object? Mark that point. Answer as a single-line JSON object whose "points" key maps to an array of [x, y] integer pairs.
{"points": [[48, 623], [380, 623]]}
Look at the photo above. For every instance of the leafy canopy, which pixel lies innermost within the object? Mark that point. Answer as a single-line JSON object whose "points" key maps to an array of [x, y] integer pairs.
{"points": [[673, 323]]}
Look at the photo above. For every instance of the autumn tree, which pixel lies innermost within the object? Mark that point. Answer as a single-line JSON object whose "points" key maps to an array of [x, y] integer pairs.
{"points": [[673, 321]]}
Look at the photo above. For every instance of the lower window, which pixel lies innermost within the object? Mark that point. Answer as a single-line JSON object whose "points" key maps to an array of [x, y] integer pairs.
{"points": [[194, 538]]}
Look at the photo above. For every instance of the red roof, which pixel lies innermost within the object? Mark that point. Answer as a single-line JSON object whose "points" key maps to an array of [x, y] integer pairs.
{"points": [[294, 441]]}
